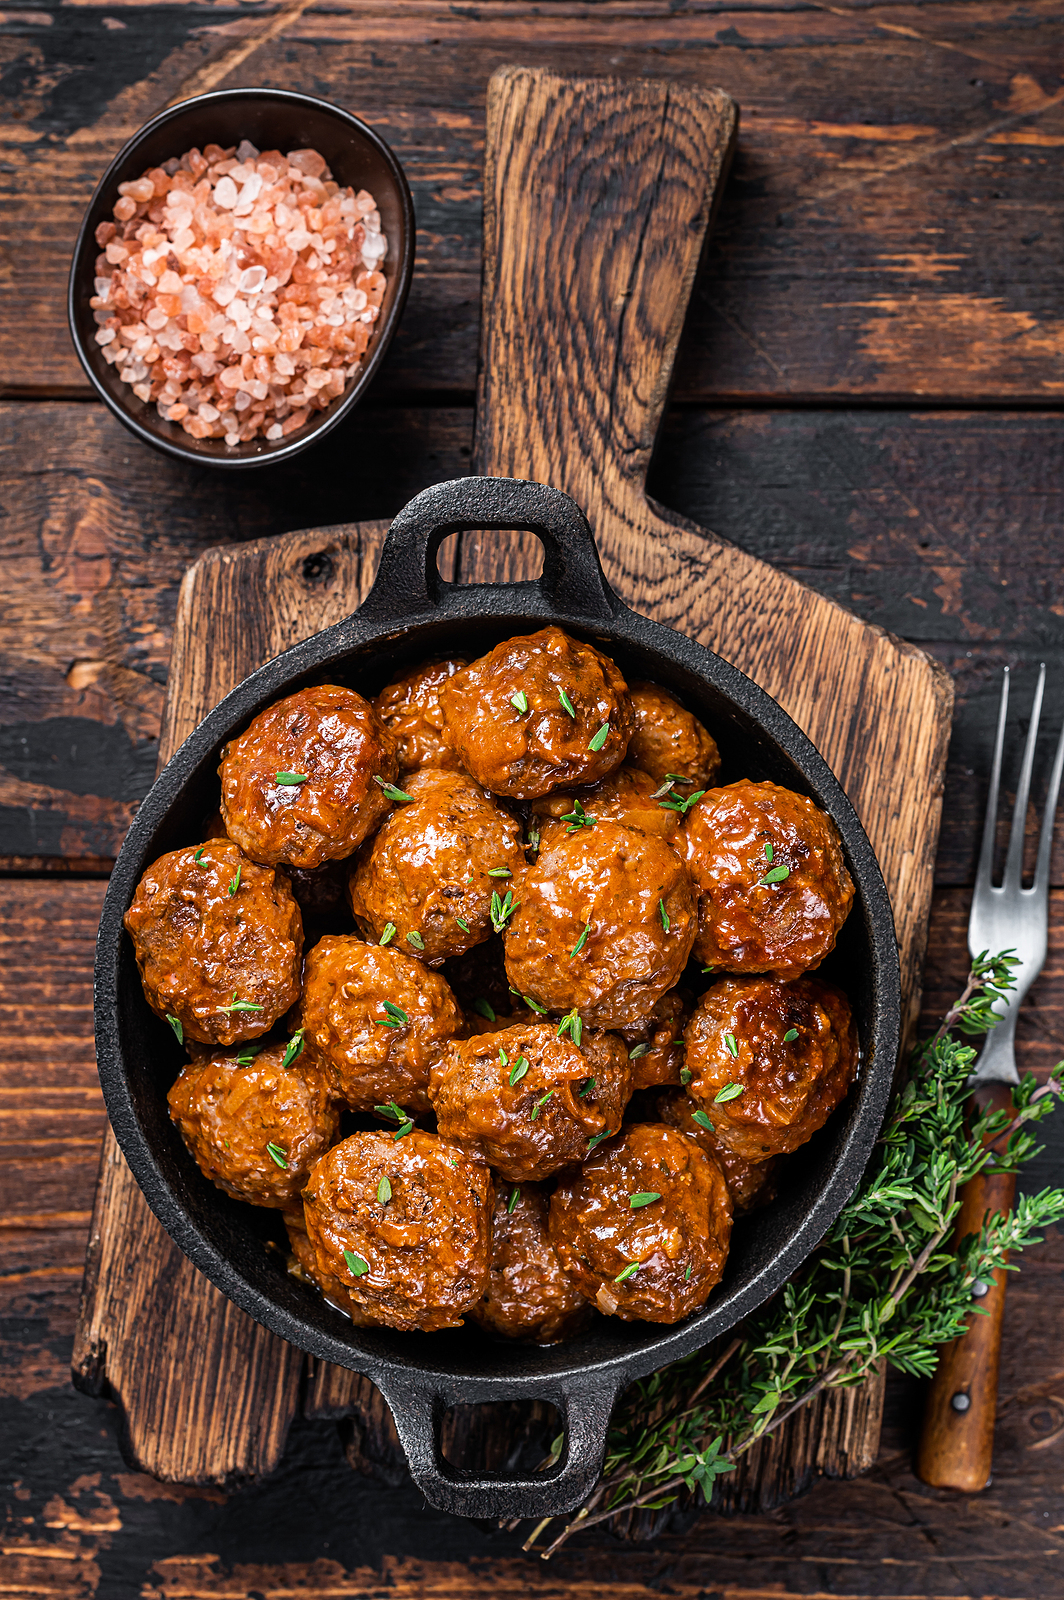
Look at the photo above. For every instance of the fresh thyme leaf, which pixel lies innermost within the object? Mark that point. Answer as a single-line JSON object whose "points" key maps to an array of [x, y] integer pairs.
{"points": [[540, 1103], [241, 1005], [504, 1059], [394, 1016], [384, 1192], [234, 883], [586, 1088], [484, 1009], [401, 1132], [768, 851], [533, 838], [644, 1197], [515, 1195], [248, 1052], [572, 1025], [535, 1005], [278, 1155], [400, 796], [729, 1040], [518, 1070], [791, 1034], [357, 1265], [519, 701], [294, 1048], [637, 1051], [665, 923], [291, 779], [664, 788], [567, 704], [502, 909], [414, 938], [578, 818], [499, 872], [702, 1120], [199, 853], [394, 1112], [628, 1272], [176, 1024], [687, 1274], [390, 931], [730, 1091], [597, 1139], [580, 943], [463, 924], [685, 1076], [776, 875], [709, 969], [599, 739], [682, 807], [677, 777]]}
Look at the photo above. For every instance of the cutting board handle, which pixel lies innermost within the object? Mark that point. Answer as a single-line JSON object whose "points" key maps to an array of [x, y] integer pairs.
{"points": [[598, 196]]}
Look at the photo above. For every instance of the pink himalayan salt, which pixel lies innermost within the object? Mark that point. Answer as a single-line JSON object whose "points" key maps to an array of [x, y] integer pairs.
{"points": [[237, 291]]}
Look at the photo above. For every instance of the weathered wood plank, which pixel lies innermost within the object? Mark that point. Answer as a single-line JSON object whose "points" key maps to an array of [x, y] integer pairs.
{"points": [[892, 229]]}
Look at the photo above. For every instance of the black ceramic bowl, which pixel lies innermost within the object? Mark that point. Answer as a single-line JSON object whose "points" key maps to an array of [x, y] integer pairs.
{"points": [[409, 614], [271, 119]]}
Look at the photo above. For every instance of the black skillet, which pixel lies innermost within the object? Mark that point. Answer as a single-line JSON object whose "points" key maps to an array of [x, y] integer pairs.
{"points": [[409, 614]]}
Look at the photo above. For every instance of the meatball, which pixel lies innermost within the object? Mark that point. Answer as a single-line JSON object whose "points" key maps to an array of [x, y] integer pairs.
{"points": [[400, 1229], [669, 742], [528, 1101], [627, 795], [375, 1020], [751, 1184], [410, 709], [643, 1228], [605, 921], [219, 943], [655, 1045], [254, 1126], [769, 1061], [307, 781], [436, 868], [538, 711], [773, 887], [528, 1295]]}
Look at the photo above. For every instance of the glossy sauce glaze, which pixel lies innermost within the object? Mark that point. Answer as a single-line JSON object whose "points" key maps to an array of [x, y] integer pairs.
{"points": [[655, 1043], [658, 1259], [219, 942], [528, 1295], [332, 741], [751, 1184], [627, 795], [669, 742], [410, 710]]}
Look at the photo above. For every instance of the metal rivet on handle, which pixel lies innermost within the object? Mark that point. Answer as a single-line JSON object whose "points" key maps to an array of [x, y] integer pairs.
{"points": [[961, 1401], [979, 1288]]}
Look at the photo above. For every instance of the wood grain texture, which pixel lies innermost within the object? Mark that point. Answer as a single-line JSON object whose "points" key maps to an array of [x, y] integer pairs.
{"points": [[893, 228], [574, 381]]}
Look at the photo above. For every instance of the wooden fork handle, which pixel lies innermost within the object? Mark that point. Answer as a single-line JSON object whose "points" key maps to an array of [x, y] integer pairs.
{"points": [[957, 1439]]}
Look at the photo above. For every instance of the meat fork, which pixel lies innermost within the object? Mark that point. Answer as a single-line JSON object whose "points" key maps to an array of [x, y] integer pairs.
{"points": [[958, 1432]]}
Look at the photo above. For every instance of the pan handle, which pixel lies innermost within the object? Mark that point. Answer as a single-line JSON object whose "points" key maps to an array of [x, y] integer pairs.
{"points": [[408, 581], [418, 1401]]}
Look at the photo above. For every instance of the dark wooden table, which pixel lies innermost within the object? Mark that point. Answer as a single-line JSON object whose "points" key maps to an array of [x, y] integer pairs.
{"points": [[868, 394]]}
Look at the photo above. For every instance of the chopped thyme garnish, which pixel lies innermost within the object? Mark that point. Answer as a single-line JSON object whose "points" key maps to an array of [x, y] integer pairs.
{"points": [[586, 1088], [776, 875], [535, 1005], [499, 872], [278, 1155], [572, 1025], [637, 1051], [390, 931], [600, 738], [414, 938], [401, 1132], [677, 777], [241, 1005], [540, 1103], [665, 923], [533, 838], [662, 789], [484, 1008], [598, 1138], [519, 701], [729, 1040], [703, 1121], [502, 909], [504, 1059], [175, 1023], [687, 1274], [400, 796], [730, 1091], [291, 779], [384, 1192], [356, 1265], [792, 1033], [709, 969], [234, 884], [463, 924], [578, 818], [294, 1049], [518, 1070], [768, 851], [685, 1076], [394, 1016], [199, 853], [682, 807], [392, 1111], [629, 1272], [645, 1197], [580, 943], [567, 704], [248, 1052], [515, 1195]]}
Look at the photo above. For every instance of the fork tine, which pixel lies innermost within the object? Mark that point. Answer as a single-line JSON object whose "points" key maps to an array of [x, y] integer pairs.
{"points": [[1045, 840], [986, 854], [1014, 859]]}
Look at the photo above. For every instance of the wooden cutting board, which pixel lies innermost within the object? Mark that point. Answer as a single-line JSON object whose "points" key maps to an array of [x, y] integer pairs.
{"points": [[598, 200]]}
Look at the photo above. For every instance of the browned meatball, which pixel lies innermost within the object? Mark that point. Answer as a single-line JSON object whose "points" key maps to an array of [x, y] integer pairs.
{"points": [[605, 922], [790, 1048], [433, 869], [506, 715], [669, 742], [219, 942], [338, 755], [742, 835], [410, 710], [528, 1295], [400, 1229], [254, 1126], [375, 1020], [655, 1045], [627, 795], [751, 1184], [528, 1101], [643, 1228]]}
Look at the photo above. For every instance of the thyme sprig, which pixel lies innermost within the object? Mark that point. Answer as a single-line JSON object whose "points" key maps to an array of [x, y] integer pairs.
{"points": [[888, 1281]]}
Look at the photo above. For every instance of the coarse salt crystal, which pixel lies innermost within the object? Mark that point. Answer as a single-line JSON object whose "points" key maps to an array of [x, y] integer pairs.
{"points": [[104, 336], [225, 193], [275, 431]]}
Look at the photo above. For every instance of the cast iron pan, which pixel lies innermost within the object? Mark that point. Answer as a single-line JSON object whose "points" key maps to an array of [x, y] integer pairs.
{"points": [[409, 614]]}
